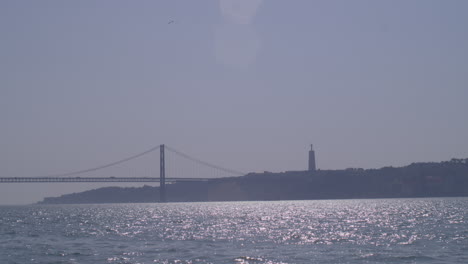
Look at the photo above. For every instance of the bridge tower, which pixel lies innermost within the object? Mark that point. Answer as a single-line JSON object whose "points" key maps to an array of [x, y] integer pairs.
{"points": [[162, 175], [312, 159]]}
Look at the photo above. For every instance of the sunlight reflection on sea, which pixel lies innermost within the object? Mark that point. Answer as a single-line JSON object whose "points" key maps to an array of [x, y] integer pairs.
{"points": [[332, 231]]}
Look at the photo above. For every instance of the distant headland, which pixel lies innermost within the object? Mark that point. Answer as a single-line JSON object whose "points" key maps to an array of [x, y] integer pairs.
{"points": [[424, 179]]}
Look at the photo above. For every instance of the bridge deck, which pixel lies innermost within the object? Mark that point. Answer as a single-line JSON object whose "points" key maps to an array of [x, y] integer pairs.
{"points": [[95, 179]]}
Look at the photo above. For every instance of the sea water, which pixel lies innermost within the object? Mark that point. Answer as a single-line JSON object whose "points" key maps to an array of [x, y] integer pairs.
{"points": [[327, 231]]}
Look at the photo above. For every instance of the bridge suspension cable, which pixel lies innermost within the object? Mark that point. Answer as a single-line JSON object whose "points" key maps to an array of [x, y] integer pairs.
{"points": [[102, 166], [153, 149], [230, 171]]}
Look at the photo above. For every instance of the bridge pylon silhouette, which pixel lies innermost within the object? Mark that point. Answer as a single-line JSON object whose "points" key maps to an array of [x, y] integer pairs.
{"points": [[206, 172], [162, 175]]}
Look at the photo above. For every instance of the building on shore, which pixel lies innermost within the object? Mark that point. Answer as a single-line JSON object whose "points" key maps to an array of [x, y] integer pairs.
{"points": [[312, 166]]}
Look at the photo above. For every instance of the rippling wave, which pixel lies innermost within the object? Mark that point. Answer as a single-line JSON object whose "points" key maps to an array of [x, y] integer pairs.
{"points": [[332, 231]]}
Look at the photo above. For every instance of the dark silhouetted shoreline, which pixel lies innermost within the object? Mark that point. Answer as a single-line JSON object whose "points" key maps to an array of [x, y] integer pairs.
{"points": [[429, 179]]}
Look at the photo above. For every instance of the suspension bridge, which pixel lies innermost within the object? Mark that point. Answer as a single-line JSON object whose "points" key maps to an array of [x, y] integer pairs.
{"points": [[105, 173]]}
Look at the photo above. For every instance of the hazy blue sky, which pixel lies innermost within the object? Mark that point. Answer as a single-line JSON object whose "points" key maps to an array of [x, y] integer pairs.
{"points": [[246, 85]]}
